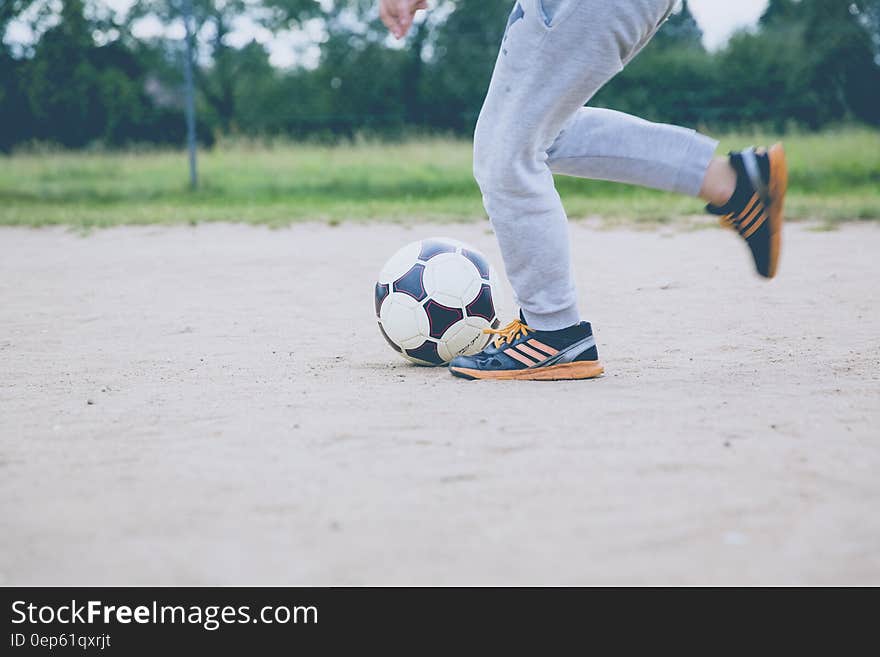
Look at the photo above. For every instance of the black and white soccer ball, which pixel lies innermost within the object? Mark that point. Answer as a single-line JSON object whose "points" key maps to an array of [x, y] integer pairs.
{"points": [[434, 298]]}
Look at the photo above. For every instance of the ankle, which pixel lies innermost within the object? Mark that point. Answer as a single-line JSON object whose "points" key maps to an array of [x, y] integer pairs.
{"points": [[719, 183], [554, 321]]}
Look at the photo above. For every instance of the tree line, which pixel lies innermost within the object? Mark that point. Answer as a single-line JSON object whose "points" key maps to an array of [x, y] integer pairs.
{"points": [[89, 80]]}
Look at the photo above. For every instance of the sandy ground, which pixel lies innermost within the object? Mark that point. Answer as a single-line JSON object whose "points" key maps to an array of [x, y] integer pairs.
{"points": [[214, 405]]}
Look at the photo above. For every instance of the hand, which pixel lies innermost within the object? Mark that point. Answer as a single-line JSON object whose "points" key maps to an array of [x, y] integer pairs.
{"points": [[397, 15]]}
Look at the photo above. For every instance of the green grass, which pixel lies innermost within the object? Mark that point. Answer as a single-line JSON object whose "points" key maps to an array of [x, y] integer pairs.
{"points": [[835, 177]]}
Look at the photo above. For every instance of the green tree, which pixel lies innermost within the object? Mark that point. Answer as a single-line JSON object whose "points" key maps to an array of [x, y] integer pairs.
{"points": [[763, 78], [77, 92], [843, 69], [11, 10], [681, 30], [15, 119], [61, 81], [869, 13], [779, 12], [464, 48], [673, 80], [217, 62]]}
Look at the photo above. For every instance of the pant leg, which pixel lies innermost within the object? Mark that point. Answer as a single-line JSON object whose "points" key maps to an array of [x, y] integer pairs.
{"points": [[602, 144], [549, 66]]}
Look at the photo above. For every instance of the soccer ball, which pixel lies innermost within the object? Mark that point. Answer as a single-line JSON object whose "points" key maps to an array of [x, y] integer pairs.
{"points": [[433, 300]]}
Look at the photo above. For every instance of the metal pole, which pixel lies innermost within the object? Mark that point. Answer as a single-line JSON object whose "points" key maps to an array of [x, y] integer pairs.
{"points": [[190, 95]]}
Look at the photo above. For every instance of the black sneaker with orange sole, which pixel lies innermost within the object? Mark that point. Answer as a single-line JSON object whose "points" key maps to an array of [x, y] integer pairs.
{"points": [[519, 352], [756, 208]]}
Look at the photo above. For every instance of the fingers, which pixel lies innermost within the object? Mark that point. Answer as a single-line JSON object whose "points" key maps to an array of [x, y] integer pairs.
{"points": [[397, 15], [404, 22], [388, 19], [406, 17]]}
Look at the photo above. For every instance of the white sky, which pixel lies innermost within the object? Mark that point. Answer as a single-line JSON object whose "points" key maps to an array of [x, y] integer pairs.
{"points": [[718, 19]]}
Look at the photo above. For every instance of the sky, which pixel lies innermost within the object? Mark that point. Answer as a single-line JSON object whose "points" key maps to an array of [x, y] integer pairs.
{"points": [[718, 19]]}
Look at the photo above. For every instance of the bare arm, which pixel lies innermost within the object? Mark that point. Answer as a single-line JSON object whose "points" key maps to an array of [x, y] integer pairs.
{"points": [[397, 15]]}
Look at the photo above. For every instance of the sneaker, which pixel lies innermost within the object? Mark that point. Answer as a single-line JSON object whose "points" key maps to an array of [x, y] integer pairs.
{"points": [[520, 352], [755, 210]]}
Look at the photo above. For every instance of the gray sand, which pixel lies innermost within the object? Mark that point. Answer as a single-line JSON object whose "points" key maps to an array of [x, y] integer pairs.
{"points": [[214, 405]]}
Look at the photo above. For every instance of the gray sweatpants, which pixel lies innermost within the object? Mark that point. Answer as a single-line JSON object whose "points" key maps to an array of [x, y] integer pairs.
{"points": [[555, 56]]}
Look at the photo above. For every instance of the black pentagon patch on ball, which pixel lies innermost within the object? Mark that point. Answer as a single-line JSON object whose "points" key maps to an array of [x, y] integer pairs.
{"points": [[441, 318], [430, 248], [388, 340], [479, 261], [382, 291], [426, 352], [482, 306], [411, 283]]}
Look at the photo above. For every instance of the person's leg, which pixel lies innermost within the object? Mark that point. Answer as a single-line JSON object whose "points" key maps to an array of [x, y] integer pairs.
{"points": [[602, 144], [551, 63], [555, 55], [742, 188]]}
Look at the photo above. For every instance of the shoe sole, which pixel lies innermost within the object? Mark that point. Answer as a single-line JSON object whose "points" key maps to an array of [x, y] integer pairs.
{"points": [[586, 369], [778, 188]]}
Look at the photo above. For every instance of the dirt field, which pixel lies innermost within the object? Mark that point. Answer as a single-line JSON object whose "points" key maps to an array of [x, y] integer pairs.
{"points": [[214, 405]]}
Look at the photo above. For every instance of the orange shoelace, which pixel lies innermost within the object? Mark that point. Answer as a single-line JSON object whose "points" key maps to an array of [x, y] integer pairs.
{"points": [[509, 333]]}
